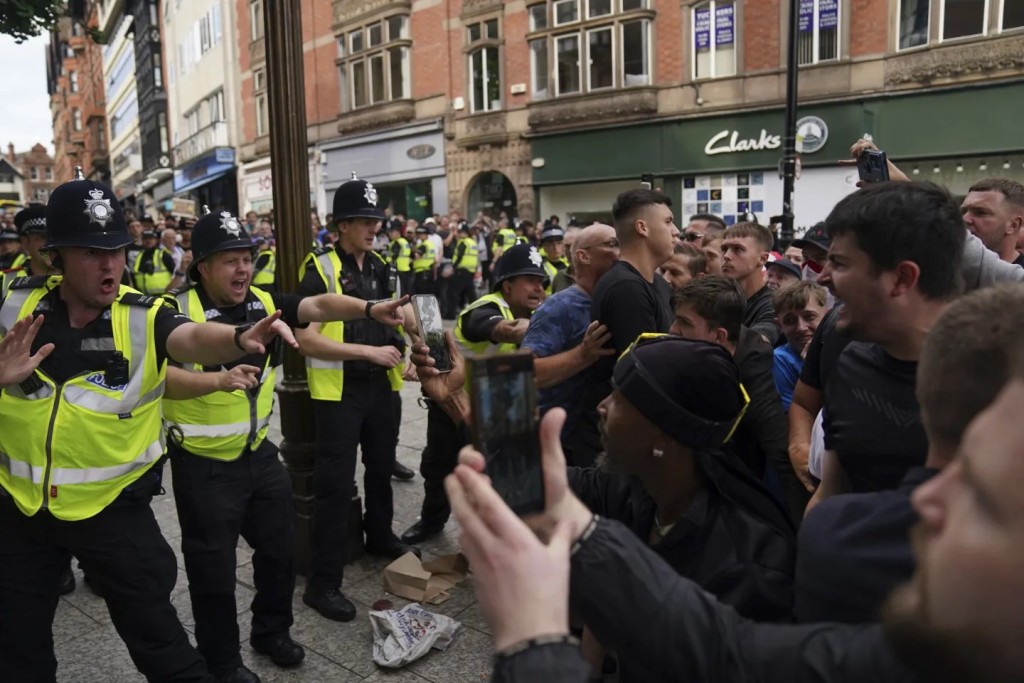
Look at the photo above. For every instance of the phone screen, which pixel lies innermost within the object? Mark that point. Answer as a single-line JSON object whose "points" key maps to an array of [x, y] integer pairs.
{"points": [[647, 181], [505, 428], [873, 166], [428, 319]]}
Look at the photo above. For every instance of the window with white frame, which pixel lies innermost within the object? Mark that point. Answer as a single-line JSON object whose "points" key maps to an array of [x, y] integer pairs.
{"points": [[373, 62], [255, 19], [76, 119], [579, 46], [714, 39], [913, 21], [962, 18], [73, 80], [262, 116], [49, 173], [1012, 16], [818, 31], [34, 173], [42, 194], [484, 41]]}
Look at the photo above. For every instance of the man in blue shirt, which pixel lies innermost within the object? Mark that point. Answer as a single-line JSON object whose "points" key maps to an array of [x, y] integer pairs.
{"points": [[566, 343], [799, 307]]}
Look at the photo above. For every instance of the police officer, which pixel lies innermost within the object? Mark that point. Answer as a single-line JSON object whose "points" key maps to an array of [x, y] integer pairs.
{"points": [[552, 243], [401, 256], [352, 370], [466, 262], [495, 322], [11, 256], [265, 268], [31, 224], [222, 414], [504, 239], [424, 263], [82, 368], [155, 271]]}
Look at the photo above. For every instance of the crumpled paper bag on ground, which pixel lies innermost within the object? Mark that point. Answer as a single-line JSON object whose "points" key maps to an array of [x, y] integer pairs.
{"points": [[403, 636], [427, 582]]}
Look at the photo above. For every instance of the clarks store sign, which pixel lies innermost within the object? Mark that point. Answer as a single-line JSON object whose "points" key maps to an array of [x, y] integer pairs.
{"points": [[811, 136]]}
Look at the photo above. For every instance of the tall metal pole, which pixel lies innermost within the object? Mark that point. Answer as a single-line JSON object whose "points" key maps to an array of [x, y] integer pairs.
{"points": [[789, 138], [289, 162]]}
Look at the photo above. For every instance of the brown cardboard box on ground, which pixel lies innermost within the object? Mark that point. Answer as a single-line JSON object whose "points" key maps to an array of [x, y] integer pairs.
{"points": [[425, 582]]}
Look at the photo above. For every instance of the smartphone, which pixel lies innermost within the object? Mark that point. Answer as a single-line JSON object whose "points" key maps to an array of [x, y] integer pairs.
{"points": [[647, 181], [505, 427], [873, 166], [428, 319]]}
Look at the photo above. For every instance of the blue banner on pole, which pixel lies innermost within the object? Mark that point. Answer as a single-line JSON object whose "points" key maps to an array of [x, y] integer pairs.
{"points": [[724, 25], [702, 27], [806, 16]]}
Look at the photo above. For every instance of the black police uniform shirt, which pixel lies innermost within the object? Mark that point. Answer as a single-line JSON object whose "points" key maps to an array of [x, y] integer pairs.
{"points": [[250, 310], [872, 419], [478, 324], [371, 282], [90, 348]]}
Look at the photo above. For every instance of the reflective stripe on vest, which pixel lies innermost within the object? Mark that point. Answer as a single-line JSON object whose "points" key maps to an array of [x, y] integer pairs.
{"points": [[470, 259], [403, 260], [265, 275], [159, 280], [73, 447], [326, 378], [425, 262], [223, 425], [477, 348]]}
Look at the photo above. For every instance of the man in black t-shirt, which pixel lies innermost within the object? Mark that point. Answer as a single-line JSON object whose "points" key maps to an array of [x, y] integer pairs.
{"points": [[745, 248], [894, 262]]}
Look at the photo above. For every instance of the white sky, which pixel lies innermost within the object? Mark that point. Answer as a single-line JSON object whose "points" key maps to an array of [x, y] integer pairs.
{"points": [[24, 104]]}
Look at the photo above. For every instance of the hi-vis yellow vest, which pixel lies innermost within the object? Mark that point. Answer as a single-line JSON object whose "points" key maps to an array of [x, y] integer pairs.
{"points": [[223, 425], [552, 269], [402, 255], [470, 258], [265, 275], [476, 348], [157, 282], [326, 378], [425, 263], [73, 447]]}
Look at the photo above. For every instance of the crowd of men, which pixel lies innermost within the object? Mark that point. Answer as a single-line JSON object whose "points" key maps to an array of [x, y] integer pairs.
{"points": [[761, 461]]}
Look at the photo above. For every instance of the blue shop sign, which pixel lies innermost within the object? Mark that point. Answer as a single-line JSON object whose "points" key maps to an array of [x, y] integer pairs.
{"points": [[204, 170]]}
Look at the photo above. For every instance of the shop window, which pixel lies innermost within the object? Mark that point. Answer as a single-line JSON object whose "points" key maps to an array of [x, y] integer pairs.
{"points": [[818, 31], [913, 23], [1012, 16], [714, 39], [484, 65], [373, 62], [255, 19], [962, 18], [597, 45]]}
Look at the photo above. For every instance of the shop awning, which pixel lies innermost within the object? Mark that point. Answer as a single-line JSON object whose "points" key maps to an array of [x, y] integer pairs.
{"points": [[201, 181]]}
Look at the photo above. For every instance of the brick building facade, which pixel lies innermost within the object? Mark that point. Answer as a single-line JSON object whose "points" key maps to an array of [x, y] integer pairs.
{"points": [[37, 168]]}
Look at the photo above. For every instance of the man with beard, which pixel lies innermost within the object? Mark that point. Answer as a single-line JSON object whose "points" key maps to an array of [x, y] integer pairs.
{"points": [[994, 211], [854, 548], [959, 618]]}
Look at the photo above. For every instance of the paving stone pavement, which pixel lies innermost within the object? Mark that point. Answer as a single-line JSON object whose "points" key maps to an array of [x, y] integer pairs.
{"points": [[90, 651]]}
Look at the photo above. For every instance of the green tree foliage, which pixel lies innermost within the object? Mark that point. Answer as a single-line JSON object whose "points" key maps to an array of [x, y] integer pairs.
{"points": [[24, 19]]}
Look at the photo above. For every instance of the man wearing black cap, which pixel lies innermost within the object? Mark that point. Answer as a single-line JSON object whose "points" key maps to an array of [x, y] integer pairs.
{"points": [[424, 264], [11, 256], [496, 322], [400, 256], [155, 271], [780, 273], [265, 267], [553, 246], [222, 414], [353, 370], [466, 262], [81, 429], [814, 244]]}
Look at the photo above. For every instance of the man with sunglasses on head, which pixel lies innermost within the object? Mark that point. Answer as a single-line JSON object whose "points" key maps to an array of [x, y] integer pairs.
{"points": [[703, 225]]}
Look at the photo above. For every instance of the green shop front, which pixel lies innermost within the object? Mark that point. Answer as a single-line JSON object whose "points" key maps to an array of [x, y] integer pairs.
{"points": [[729, 164]]}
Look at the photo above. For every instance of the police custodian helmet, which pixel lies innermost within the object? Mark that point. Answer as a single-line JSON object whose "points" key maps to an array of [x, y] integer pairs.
{"points": [[522, 259], [31, 220], [84, 213], [356, 199], [215, 232]]}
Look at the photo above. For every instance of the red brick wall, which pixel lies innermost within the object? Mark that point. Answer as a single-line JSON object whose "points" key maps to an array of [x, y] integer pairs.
{"points": [[669, 42], [869, 27], [761, 34]]}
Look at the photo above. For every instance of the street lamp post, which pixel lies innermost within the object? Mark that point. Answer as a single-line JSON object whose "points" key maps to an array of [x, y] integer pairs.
{"points": [[286, 102], [789, 138]]}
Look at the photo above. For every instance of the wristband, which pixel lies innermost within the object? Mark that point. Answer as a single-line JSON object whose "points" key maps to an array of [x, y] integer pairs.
{"points": [[369, 307], [239, 331], [584, 536], [539, 641]]}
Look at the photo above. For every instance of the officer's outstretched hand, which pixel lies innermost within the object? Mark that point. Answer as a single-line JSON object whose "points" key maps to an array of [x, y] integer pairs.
{"points": [[437, 385], [17, 361], [389, 312], [255, 339], [239, 378]]}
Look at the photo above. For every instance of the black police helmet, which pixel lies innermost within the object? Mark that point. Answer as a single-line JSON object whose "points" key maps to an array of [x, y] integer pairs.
{"points": [[31, 220], [356, 199], [215, 232], [522, 259], [84, 213]]}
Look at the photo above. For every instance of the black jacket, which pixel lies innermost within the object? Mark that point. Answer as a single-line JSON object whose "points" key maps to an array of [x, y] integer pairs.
{"points": [[640, 607], [759, 315]]}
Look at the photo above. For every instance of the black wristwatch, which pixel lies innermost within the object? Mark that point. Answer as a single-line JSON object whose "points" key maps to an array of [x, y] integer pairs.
{"points": [[369, 307], [239, 331]]}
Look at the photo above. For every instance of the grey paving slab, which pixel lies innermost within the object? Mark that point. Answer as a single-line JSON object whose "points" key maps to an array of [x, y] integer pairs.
{"points": [[313, 668], [394, 676], [97, 656], [467, 660], [70, 623]]}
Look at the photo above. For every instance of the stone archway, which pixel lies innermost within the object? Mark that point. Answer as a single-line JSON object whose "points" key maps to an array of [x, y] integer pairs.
{"points": [[491, 192]]}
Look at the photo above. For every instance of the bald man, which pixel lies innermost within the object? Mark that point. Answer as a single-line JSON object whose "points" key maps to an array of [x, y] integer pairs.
{"points": [[565, 343]]}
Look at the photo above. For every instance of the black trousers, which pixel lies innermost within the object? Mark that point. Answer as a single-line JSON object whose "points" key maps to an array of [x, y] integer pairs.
{"points": [[125, 556], [363, 418], [405, 282], [444, 440], [461, 292], [217, 502], [424, 283]]}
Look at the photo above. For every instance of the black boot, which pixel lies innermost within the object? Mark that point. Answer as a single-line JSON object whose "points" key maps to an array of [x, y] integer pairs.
{"points": [[421, 531], [389, 546], [402, 473], [282, 650], [330, 603], [239, 675]]}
